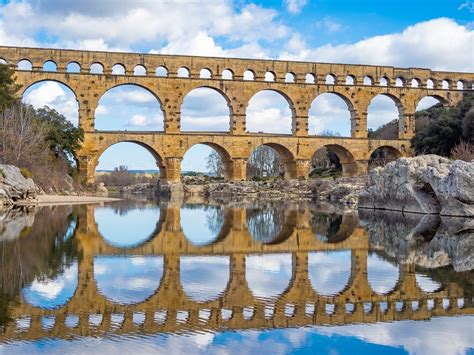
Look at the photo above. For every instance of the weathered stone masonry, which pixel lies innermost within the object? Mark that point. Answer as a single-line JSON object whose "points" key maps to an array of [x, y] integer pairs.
{"points": [[308, 80]]}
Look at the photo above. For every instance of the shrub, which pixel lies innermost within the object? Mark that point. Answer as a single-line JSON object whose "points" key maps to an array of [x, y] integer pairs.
{"points": [[26, 173], [463, 151]]}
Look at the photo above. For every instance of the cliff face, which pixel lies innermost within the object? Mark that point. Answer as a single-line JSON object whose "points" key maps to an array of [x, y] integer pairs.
{"points": [[424, 184], [14, 186]]}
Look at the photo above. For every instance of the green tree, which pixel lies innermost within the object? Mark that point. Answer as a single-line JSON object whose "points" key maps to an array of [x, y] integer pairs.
{"points": [[63, 138], [7, 87], [445, 128]]}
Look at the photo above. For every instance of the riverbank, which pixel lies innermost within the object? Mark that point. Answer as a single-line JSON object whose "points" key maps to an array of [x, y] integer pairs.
{"points": [[46, 200]]}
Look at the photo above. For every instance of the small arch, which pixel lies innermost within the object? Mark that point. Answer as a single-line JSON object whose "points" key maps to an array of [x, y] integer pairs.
{"points": [[161, 71], [310, 78], [445, 84], [96, 68], [50, 66], [350, 80], [460, 85], [339, 159], [329, 272], [430, 84], [3, 61], [205, 109], [249, 75], [118, 69], [330, 79], [415, 83], [383, 155], [227, 74], [271, 160], [269, 111], [139, 70], [382, 275], [269, 76], [384, 81], [73, 67], [205, 73], [290, 78], [183, 72], [24, 64], [399, 82], [368, 80]]}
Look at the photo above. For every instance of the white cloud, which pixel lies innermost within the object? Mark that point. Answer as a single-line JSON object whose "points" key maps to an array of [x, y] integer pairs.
{"points": [[138, 120], [469, 5], [295, 6], [437, 44], [329, 25]]}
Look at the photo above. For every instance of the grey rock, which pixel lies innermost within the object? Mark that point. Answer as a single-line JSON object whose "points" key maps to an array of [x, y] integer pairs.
{"points": [[14, 187], [424, 184]]}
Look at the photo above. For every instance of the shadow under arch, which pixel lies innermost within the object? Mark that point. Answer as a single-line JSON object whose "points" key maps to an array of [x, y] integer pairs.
{"points": [[156, 155], [287, 157], [346, 159], [223, 154], [224, 230], [383, 155]]}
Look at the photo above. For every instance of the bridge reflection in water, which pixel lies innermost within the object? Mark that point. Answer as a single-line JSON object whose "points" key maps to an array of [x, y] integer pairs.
{"points": [[244, 238]]}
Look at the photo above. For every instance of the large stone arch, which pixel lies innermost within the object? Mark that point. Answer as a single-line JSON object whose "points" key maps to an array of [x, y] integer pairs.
{"points": [[398, 104], [346, 158], [25, 86], [383, 154], [281, 93], [191, 88], [285, 154]]}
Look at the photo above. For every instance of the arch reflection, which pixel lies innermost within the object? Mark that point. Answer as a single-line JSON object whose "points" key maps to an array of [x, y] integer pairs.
{"points": [[270, 225], [202, 224], [329, 272], [382, 275], [268, 275], [204, 278], [52, 292], [332, 228], [128, 280], [126, 227]]}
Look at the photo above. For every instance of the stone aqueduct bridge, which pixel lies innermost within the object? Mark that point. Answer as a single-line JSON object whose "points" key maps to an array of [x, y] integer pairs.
{"points": [[299, 82], [170, 309]]}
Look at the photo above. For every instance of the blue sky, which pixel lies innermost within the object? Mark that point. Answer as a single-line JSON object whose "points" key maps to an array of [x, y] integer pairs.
{"points": [[437, 34]]}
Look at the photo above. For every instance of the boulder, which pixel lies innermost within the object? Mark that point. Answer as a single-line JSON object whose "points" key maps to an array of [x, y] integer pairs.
{"points": [[424, 184], [101, 190], [14, 187]]}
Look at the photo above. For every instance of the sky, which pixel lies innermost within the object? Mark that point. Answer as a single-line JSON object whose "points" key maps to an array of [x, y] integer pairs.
{"points": [[435, 34]]}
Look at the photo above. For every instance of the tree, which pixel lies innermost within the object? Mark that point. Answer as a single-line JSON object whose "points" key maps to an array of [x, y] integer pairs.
{"points": [[7, 87], [63, 138], [214, 164], [445, 128], [265, 161]]}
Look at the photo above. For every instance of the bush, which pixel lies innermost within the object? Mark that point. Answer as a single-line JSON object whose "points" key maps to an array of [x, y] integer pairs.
{"points": [[463, 151], [26, 173]]}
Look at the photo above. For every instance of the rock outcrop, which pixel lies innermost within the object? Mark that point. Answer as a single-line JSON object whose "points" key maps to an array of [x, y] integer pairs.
{"points": [[424, 184], [14, 187]]}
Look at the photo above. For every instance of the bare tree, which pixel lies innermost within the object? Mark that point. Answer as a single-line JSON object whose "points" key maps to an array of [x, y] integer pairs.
{"points": [[214, 164], [265, 161]]}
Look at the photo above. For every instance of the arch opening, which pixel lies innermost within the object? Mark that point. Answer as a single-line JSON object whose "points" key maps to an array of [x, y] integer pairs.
{"points": [[3, 61], [290, 78], [427, 102], [330, 115], [382, 275], [205, 74], [204, 278], [50, 66], [207, 160], [128, 162], [249, 75], [415, 83], [430, 84], [269, 76], [56, 96], [383, 155], [128, 279], [24, 64], [270, 224], [330, 79], [118, 69], [161, 71], [73, 67], [129, 108], [183, 72], [310, 78], [460, 85], [270, 161], [332, 160], [227, 74], [445, 84], [203, 224], [269, 111], [350, 80], [384, 81], [383, 117], [96, 68], [205, 109], [368, 80], [399, 82], [139, 70]]}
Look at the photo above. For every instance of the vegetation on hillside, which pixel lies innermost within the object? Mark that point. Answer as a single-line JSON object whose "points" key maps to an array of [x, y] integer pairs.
{"points": [[41, 142]]}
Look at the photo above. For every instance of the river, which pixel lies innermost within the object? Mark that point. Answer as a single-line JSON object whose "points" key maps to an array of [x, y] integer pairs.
{"points": [[140, 276]]}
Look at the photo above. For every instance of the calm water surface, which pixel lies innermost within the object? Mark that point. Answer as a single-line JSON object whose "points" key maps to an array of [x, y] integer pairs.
{"points": [[148, 277]]}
